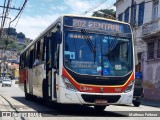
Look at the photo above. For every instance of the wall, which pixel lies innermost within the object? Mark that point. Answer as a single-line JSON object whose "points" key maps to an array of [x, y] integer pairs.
{"points": [[150, 68]]}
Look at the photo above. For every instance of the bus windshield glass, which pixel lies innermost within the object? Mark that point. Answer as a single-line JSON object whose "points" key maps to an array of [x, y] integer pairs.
{"points": [[97, 54]]}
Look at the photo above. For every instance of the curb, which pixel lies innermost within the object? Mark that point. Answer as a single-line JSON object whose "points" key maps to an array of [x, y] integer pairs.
{"points": [[151, 103], [15, 104]]}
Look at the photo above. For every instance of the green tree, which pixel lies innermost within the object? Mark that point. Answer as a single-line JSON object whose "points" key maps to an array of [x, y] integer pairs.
{"points": [[20, 47], [6, 41], [20, 35], [11, 31], [106, 13]]}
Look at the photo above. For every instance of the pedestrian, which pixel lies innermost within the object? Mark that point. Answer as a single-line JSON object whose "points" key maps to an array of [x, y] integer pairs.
{"points": [[36, 62]]}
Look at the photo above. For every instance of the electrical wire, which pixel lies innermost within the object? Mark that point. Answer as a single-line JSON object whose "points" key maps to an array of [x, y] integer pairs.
{"points": [[19, 11], [94, 7], [18, 20], [3, 14], [6, 13], [19, 15]]}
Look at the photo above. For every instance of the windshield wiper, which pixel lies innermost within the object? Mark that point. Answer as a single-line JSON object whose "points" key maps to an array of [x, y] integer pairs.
{"points": [[89, 43], [112, 46]]}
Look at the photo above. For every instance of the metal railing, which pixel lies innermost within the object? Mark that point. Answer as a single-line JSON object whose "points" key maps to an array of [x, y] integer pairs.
{"points": [[151, 27]]}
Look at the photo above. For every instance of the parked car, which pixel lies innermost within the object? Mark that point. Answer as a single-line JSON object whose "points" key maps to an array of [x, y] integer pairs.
{"points": [[6, 82], [138, 92]]}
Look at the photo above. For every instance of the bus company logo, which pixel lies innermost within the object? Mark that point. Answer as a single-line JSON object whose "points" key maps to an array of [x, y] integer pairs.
{"points": [[101, 89], [83, 88]]}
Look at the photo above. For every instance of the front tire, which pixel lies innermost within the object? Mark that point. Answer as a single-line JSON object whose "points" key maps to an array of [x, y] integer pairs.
{"points": [[136, 103], [100, 108]]}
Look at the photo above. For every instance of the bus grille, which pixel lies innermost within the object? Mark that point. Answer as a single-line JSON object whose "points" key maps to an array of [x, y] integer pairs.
{"points": [[109, 98]]}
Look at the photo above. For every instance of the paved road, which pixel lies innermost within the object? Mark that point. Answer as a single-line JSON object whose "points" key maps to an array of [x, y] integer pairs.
{"points": [[16, 97]]}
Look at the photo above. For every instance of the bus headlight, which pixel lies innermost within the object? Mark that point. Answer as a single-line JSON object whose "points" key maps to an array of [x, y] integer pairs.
{"points": [[130, 87], [68, 84]]}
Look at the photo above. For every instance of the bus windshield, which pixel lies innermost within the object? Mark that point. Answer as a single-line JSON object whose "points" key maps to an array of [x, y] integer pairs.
{"points": [[97, 54]]}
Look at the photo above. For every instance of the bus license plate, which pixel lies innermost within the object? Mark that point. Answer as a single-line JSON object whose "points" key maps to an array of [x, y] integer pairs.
{"points": [[101, 102]]}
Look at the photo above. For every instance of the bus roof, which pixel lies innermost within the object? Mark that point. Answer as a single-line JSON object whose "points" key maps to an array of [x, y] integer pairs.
{"points": [[69, 15], [93, 17]]}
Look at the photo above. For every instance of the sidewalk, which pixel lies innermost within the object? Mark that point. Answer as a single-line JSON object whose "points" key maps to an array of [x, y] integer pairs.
{"points": [[9, 107], [151, 103], [6, 107]]}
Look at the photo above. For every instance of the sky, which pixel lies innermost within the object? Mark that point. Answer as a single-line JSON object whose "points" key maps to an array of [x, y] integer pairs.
{"points": [[39, 14]]}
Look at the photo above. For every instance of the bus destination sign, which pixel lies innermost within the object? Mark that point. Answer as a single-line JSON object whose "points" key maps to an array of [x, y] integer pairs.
{"points": [[94, 24]]}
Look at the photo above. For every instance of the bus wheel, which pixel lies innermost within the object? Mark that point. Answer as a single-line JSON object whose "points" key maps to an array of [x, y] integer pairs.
{"points": [[100, 108], [44, 89], [25, 91], [136, 103]]}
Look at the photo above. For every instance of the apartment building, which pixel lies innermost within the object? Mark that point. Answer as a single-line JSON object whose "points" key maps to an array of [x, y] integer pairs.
{"points": [[144, 17]]}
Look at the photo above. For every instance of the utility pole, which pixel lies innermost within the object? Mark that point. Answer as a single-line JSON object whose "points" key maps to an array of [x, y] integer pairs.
{"points": [[5, 13], [4, 16]]}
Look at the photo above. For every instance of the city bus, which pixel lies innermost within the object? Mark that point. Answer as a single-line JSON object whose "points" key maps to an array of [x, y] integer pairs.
{"points": [[81, 60]]}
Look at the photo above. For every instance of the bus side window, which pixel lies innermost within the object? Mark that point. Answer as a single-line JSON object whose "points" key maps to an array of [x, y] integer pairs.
{"points": [[38, 50], [41, 53], [55, 51], [31, 58], [44, 50], [23, 60], [27, 59]]}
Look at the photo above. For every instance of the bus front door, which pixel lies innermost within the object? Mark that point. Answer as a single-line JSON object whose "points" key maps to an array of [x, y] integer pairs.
{"points": [[50, 72]]}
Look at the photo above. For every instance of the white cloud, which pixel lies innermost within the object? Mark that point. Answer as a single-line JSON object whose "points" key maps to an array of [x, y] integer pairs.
{"points": [[81, 6], [78, 6], [34, 26], [61, 8]]}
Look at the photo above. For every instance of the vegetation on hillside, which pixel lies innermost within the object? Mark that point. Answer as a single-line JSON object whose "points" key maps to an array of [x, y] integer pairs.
{"points": [[10, 40]]}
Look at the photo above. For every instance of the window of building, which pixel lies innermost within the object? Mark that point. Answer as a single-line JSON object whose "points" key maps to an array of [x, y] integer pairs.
{"points": [[120, 16], [155, 10], [141, 13], [158, 51], [126, 17], [150, 52]]}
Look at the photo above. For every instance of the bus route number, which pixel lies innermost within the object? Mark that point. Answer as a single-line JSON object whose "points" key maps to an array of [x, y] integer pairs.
{"points": [[79, 23]]}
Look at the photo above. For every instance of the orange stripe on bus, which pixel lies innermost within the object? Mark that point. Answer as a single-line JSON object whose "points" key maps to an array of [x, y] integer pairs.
{"points": [[97, 88]]}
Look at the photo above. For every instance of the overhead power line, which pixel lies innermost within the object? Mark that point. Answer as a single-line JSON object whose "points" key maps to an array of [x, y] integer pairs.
{"points": [[3, 14], [19, 11], [6, 13], [94, 7], [10, 7]]}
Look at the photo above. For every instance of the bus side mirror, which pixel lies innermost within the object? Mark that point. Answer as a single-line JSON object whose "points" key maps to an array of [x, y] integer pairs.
{"points": [[57, 36]]}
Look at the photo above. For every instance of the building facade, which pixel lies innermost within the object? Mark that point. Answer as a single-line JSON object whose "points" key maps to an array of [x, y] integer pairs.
{"points": [[144, 17]]}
